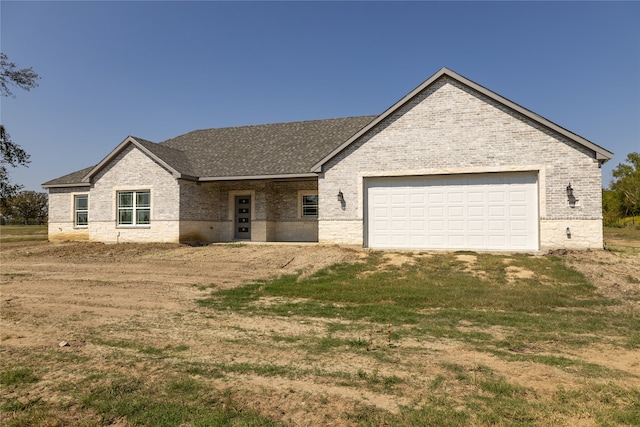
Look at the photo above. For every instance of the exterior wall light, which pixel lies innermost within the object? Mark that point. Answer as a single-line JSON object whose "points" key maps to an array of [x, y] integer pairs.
{"points": [[572, 199], [340, 196], [568, 233]]}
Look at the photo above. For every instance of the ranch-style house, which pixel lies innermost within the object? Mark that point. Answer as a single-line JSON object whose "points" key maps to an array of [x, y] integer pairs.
{"points": [[450, 166]]}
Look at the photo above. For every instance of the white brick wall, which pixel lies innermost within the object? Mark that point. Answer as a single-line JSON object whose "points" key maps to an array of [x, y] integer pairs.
{"points": [[61, 226], [446, 129], [134, 170]]}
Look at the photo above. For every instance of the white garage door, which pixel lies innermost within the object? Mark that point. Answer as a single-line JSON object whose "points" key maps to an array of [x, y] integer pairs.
{"points": [[495, 211]]}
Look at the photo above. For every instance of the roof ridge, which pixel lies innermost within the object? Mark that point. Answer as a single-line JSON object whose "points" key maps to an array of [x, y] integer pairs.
{"points": [[372, 116]]}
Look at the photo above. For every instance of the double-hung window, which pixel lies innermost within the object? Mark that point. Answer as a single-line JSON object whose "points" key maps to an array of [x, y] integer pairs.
{"points": [[81, 210], [134, 207], [309, 205]]}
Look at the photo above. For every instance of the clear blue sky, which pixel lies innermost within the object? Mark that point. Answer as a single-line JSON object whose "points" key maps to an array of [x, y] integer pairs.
{"points": [[160, 69]]}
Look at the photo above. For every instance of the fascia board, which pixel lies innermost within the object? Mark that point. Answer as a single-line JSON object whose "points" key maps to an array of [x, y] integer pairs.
{"points": [[599, 152], [256, 177], [66, 185], [128, 140]]}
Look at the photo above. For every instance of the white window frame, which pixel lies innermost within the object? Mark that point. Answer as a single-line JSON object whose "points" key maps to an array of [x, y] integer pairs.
{"points": [[302, 205], [134, 208], [76, 211]]}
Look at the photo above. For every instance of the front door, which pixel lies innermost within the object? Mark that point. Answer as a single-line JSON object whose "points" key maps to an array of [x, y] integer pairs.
{"points": [[242, 224]]}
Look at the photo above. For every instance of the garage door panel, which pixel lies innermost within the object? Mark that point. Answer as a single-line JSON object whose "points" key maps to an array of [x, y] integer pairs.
{"points": [[475, 226], [518, 211], [436, 241], [496, 211], [477, 241], [436, 226], [497, 225], [498, 241], [515, 225], [517, 196], [455, 225], [475, 197], [435, 197], [380, 199], [455, 211], [417, 226], [518, 242], [476, 211], [496, 196], [456, 241], [480, 211], [399, 212], [436, 212], [455, 197], [416, 198]]}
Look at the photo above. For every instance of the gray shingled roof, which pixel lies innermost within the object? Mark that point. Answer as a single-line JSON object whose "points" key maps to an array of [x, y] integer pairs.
{"points": [[246, 151], [262, 150], [72, 179], [173, 157]]}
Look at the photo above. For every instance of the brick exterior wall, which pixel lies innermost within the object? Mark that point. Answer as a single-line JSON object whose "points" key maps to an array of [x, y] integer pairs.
{"points": [[134, 170], [206, 211], [447, 129], [61, 225], [181, 211]]}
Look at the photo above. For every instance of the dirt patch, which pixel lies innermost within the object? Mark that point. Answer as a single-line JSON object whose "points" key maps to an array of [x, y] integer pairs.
{"points": [[90, 293], [514, 273], [616, 274]]}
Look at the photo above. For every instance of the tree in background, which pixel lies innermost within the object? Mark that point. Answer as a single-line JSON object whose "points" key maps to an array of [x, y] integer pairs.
{"points": [[10, 153], [623, 198], [27, 207]]}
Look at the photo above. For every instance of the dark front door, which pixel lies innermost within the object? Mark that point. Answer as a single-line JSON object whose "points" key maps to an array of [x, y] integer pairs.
{"points": [[243, 218]]}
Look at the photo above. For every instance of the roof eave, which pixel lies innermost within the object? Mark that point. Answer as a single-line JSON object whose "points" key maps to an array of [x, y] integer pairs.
{"points": [[77, 184], [257, 177]]}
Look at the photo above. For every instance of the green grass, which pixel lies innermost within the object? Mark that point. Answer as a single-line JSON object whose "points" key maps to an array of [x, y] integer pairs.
{"points": [[628, 232], [362, 314], [18, 376], [437, 293], [22, 233], [556, 307], [181, 402]]}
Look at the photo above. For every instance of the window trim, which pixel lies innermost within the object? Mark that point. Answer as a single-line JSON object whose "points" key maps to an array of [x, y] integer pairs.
{"points": [[76, 210], [301, 205], [134, 208]]}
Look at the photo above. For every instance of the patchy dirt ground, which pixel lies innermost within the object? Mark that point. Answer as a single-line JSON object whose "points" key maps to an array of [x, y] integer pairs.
{"points": [[147, 293]]}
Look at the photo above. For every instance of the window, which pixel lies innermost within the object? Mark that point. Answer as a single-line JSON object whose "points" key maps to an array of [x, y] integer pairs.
{"points": [[309, 205], [81, 209], [134, 207]]}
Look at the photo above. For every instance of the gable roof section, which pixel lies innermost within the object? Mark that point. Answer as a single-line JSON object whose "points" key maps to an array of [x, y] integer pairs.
{"points": [[280, 150], [166, 157], [599, 153]]}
